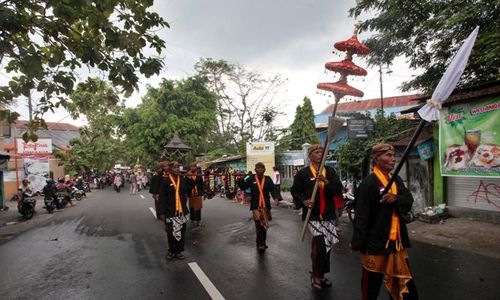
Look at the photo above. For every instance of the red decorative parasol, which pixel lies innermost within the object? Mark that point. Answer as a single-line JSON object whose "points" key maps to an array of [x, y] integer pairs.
{"points": [[340, 88], [346, 67]]}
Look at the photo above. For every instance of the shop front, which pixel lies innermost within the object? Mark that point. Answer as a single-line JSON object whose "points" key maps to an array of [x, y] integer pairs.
{"points": [[469, 152]]}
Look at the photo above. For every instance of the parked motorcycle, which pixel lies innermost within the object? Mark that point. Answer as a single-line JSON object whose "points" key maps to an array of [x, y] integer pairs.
{"points": [[349, 206], [62, 199], [77, 193], [86, 187], [27, 205], [50, 203], [49, 191]]}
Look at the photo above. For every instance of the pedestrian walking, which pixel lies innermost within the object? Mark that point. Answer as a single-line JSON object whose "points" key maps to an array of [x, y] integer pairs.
{"points": [[321, 223], [154, 186], [277, 186], [172, 207], [195, 181], [260, 204], [133, 183], [380, 231], [118, 182]]}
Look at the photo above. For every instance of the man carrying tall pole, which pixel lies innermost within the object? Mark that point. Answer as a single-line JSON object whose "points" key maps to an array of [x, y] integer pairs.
{"points": [[320, 211]]}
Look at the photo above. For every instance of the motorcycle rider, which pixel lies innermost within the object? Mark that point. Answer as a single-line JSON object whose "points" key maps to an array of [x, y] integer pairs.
{"points": [[50, 190], [63, 190], [25, 188]]}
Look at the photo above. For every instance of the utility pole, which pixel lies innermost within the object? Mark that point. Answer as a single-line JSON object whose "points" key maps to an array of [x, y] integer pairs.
{"points": [[30, 107], [381, 90]]}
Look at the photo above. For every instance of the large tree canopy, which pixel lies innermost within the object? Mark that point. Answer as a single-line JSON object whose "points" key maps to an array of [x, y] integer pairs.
{"points": [[98, 146], [186, 107], [44, 43], [429, 32]]}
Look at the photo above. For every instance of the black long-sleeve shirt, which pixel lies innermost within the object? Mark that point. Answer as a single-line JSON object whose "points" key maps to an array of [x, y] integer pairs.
{"points": [[154, 184], [372, 220], [250, 182], [198, 183], [303, 185], [166, 198]]}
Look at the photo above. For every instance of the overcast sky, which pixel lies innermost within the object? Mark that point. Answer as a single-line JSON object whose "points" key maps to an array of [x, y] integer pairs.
{"points": [[293, 38]]}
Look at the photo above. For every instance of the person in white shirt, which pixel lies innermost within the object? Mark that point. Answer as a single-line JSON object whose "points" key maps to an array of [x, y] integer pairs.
{"points": [[277, 186]]}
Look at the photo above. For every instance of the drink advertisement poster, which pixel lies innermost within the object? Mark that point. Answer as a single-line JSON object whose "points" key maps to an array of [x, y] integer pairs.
{"points": [[469, 139]]}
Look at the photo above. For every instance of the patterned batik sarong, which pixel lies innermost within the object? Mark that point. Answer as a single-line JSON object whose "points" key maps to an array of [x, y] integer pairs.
{"points": [[177, 223], [327, 229]]}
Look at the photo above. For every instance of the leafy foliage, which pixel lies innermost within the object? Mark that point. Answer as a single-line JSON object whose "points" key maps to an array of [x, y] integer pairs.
{"points": [[303, 129], [45, 43], [350, 155], [429, 33], [186, 107], [98, 146]]}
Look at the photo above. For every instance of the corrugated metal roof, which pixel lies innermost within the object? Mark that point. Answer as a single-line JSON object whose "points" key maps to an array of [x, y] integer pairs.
{"points": [[50, 125], [373, 104], [60, 133]]}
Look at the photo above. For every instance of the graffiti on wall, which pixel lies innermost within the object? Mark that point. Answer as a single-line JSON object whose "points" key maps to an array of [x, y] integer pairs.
{"points": [[489, 193]]}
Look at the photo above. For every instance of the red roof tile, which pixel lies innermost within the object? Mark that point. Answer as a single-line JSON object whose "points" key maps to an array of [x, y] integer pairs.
{"points": [[373, 104]]}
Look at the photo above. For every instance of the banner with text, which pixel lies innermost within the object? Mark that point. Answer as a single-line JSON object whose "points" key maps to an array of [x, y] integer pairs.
{"points": [[469, 139], [261, 152]]}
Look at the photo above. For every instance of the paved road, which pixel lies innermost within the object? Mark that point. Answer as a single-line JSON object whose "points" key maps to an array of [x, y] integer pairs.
{"points": [[111, 247]]}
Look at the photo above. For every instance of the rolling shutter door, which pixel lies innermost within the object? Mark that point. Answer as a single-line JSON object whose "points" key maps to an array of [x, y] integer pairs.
{"points": [[474, 192]]}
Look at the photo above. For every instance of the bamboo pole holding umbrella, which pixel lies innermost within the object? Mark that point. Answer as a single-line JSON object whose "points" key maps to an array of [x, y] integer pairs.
{"points": [[339, 89], [430, 111], [333, 126]]}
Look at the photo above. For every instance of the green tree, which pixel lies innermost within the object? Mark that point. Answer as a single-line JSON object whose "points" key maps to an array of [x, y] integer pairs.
{"points": [[351, 154], [303, 129], [45, 43], [429, 33], [99, 145], [186, 107]]}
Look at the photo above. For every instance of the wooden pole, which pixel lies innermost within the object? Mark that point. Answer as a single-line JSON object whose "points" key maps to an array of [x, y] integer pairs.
{"points": [[321, 166], [405, 155]]}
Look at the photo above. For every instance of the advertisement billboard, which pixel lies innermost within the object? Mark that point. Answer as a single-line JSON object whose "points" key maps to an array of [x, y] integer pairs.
{"points": [[40, 147], [261, 152], [469, 139]]}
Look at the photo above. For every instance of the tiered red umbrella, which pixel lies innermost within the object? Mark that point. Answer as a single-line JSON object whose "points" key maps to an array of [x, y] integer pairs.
{"points": [[345, 68], [339, 89]]}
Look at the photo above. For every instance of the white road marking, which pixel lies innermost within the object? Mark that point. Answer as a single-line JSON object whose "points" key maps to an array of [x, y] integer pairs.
{"points": [[142, 196], [207, 284], [153, 211]]}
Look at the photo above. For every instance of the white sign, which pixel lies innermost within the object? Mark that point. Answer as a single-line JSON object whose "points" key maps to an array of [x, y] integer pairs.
{"points": [[260, 148], [298, 162], [42, 146]]}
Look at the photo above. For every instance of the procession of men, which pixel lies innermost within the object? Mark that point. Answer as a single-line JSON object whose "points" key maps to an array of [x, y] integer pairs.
{"points": [[379, 233]]}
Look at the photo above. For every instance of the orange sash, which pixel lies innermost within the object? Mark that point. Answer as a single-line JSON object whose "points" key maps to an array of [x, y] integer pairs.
{"points": [[195, 190], [321, 186], [178, 206], [260, 186], [394, 233]]}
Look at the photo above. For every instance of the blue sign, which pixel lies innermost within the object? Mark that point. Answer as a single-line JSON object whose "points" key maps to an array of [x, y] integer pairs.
{"points": [[426, 150]]}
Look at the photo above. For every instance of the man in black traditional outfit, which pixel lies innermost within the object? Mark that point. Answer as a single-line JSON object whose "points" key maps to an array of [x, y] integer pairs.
{"points": [[321, 224], [172, 208], [260, 204], [195, 180], [380, 231]]}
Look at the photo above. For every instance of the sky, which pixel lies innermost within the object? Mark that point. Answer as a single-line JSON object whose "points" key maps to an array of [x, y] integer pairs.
{"points": [[293, 38]]}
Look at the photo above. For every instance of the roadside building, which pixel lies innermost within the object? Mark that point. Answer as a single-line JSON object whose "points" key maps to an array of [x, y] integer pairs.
{"points": [[34, 160], [467, 173]]}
